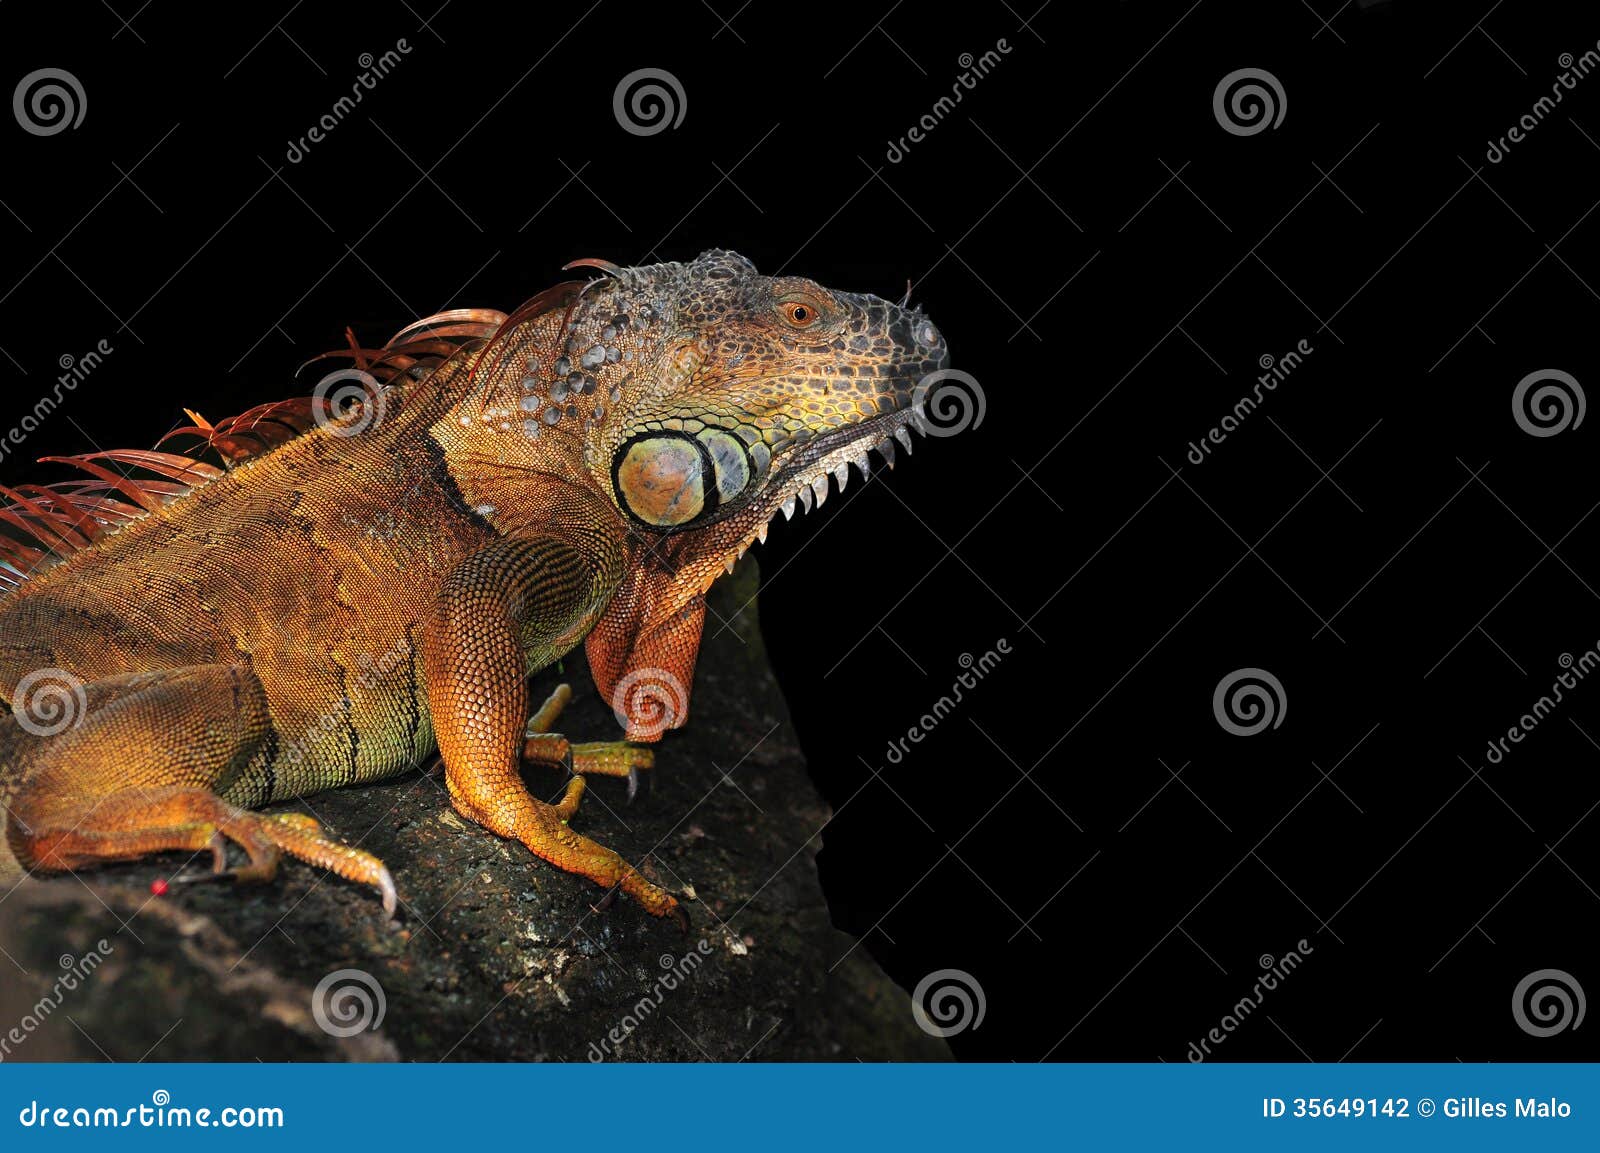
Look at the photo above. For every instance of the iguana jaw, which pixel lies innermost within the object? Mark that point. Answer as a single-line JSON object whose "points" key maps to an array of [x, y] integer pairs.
{"points": [[802, 483]]}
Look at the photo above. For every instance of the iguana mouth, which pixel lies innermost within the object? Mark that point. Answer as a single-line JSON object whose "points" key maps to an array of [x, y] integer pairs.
{"points": [[802, 484]]}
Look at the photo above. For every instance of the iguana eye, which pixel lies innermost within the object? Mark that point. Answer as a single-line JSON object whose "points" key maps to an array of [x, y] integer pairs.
{"points": [[800, 313]]}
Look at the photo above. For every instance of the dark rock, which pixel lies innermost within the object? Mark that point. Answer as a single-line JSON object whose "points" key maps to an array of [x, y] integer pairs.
{"points": [[495, 955]]}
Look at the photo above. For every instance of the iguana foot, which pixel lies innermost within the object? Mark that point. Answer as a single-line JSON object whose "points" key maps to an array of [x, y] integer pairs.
{"points": [[588, 758], [264, 835], [197, 820], [543, 829]]}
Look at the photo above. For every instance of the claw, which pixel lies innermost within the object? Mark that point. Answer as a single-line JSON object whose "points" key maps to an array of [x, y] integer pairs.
{"points": [[386, 887], [633, 784], [606, 901], [210, 878], [548, 713]]}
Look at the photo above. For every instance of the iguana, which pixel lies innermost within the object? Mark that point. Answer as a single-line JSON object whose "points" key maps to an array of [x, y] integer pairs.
{"points": [[372, 577]]}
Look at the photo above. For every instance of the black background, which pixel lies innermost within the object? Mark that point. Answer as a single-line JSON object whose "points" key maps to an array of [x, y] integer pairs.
{"points": [[1110, 264]]}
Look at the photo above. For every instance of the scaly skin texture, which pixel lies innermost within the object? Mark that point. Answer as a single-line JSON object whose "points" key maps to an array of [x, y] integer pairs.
{"points": [[340, 603]]}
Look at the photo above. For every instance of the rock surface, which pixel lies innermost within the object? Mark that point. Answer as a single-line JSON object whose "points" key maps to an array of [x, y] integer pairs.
{"points": [[495, 955]]}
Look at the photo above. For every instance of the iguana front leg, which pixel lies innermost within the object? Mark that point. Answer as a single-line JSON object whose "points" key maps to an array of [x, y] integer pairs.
{"points": [[517, 603]]}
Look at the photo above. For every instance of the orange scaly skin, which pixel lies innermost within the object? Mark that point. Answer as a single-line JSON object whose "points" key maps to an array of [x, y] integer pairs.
{"points": [[363, 586]]}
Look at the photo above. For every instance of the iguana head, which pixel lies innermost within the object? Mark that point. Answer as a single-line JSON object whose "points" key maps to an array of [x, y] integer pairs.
{"points": [[699, 401], [747, 393]]}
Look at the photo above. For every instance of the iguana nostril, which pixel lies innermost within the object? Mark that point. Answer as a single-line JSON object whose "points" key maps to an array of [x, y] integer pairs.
{"points": [[911, 328]]}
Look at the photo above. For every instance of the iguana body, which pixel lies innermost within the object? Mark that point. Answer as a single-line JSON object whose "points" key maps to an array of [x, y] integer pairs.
{"points": [[335, 607]]}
